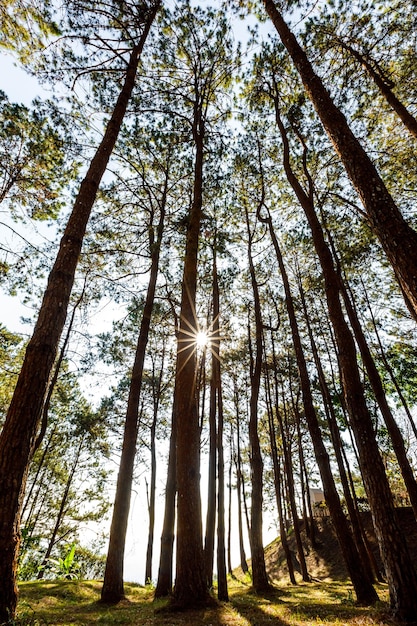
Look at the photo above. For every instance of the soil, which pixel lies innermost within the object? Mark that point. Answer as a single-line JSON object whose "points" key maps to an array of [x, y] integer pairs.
{"points": [[325, 562]]}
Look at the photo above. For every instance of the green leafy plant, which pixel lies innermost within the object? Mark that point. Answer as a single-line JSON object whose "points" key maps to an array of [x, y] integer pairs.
{"points": [[65, 568]]}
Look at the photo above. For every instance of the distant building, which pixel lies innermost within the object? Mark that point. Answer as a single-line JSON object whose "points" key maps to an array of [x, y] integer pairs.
{"points": [[316, 495], [318, 503]]}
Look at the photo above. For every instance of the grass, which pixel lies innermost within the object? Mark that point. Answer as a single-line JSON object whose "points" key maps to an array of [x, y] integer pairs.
{"points": [[76, 603]]}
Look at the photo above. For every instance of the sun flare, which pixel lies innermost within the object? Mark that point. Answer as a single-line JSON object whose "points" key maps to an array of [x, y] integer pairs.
{"points": [[201, 339]]}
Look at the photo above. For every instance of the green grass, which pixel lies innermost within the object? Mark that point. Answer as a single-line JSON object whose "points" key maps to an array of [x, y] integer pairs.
{"points": [[76, 603]]}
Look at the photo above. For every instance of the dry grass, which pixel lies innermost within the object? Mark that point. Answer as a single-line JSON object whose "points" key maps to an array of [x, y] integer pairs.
{"points": [[76, 603]]}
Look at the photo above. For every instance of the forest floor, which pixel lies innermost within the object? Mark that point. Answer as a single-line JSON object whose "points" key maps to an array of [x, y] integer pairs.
{"points": [[76, 603], [327, 600]]}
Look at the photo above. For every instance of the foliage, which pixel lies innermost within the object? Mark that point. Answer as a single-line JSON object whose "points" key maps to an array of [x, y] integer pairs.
{"points": [[11, 355], [34, 152], [65, 567], [25, 26], [66, 488]]}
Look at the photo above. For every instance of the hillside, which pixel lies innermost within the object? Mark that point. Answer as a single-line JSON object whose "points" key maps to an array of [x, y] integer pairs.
{"points": [[325, 563]]}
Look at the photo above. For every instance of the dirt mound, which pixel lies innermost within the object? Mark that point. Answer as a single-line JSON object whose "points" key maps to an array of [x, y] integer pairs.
{"points": [[325, 562]]}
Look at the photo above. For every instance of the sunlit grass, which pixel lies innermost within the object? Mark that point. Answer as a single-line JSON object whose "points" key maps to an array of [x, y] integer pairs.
{"points": [[75, 603]]}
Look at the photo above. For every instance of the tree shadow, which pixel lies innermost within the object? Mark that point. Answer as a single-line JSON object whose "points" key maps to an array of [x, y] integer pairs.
{"points": [[254, 606], [284, 606]]}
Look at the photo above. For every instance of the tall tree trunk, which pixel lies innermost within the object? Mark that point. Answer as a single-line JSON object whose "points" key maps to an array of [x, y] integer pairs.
{"points": [[289, 474], [397, 238], [22, 423], [239, 484], [164, 582], [222, 591], [388, 367], [401, 575], [385, 87], [364, 590], [357, 528], [113, 589], [211, 491], [156, 389], [229, 510], [190, 587], [378, 389], [285, 424], [259, 576], [277, 482], [296, 412]]}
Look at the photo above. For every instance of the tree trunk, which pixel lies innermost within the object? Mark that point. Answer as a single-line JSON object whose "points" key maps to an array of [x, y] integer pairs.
{"points": [[306, 520], [289, 474], [222, 591], [259, 576], [190, 587], [378, 389], [113, 590], [164, 582], [389, 369], [151, 507], [358, 532], [211, 491], [277, 483], [380, 81], [364, 590], [239, 485], [401, 576], [20, 430], [397, 238], [229, 511]]}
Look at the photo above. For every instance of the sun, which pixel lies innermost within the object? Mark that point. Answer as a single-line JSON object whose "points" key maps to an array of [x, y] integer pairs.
{"points": [[201, 339]]}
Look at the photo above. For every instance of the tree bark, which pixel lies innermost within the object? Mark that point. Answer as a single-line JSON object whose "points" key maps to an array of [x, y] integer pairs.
{"points": [[378, 389], [151, 506], [384, 87], [259, 576], [164, 582], [211, 491], [229, 512], [113, 589], [357, 528], [401, 575], [190, 587], [397, 238], [277, 483], [222, 591], [20, 430], [239, 485]]}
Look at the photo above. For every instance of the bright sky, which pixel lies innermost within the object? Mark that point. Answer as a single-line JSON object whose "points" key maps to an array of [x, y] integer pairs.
{"points": [[17, 84]]}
